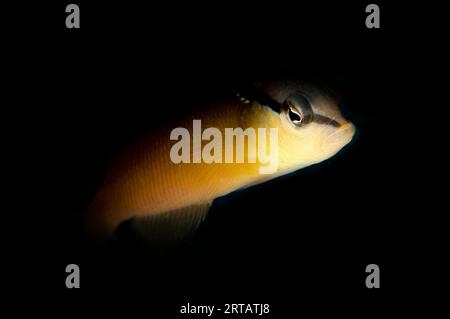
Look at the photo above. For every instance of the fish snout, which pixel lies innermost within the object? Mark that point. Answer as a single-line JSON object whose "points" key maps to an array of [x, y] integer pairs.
{"points": [[342, 135], [346, 132], [347, 127]]}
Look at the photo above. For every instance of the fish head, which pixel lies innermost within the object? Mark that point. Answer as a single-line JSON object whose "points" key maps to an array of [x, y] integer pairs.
{"points": [[311, 127]]}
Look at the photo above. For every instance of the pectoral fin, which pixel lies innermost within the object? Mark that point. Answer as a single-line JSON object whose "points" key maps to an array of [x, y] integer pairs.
{"points": [[166, 228]]}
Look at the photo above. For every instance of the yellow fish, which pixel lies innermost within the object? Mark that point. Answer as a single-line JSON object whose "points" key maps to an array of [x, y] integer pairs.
{"points": [[169, 189]]}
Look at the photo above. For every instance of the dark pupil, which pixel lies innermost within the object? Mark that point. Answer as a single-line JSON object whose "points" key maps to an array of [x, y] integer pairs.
{"points": [[294, 116]]}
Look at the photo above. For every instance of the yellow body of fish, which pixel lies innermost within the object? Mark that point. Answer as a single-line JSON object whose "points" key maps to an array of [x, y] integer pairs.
{"points": [[144, 182]]}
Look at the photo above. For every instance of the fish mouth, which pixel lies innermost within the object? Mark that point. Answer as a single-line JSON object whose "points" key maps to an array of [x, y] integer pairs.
{"points": [[349, 130], [348, 127], [344, 134]]}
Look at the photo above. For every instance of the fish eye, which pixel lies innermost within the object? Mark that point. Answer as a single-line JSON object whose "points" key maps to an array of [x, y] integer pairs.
{"points": [[298, 110], [295, 116]]}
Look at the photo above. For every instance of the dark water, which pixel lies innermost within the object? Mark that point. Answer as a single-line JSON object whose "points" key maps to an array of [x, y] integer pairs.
{"points": [[299, 243]]}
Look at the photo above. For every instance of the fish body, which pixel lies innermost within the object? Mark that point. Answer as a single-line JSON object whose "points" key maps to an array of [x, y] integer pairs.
{"points": [[144, 182]]}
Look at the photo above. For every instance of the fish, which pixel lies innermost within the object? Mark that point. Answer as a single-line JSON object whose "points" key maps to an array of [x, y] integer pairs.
{"points": [[165, 201]]}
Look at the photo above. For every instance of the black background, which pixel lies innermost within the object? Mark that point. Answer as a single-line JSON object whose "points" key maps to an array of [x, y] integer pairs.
{"points": [[299, 243]]}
